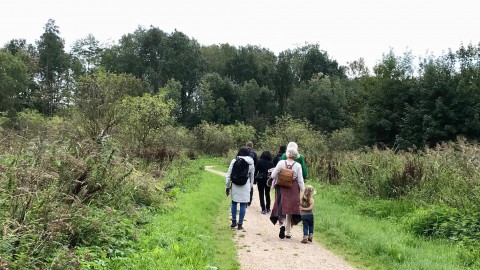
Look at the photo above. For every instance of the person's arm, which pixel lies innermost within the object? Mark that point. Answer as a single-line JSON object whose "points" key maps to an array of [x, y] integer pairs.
{"points": [[300, 180], [304, 167], [276, 170], [251, 175], [229, 173], [312, 202]]}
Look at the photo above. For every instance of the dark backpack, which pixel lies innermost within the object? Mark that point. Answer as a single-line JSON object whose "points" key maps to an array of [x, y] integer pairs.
{"points": [[239, 175]]}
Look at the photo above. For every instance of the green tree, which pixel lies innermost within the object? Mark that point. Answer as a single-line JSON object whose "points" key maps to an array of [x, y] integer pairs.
{"points": [[322, 101], [13, 81], [310, 60], [31, 96], [283, 79], [54, 65], [88, 52], [145, 116], [184, 63], [98, 99]]}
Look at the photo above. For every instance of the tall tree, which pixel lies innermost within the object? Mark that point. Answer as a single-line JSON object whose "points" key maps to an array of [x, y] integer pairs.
{"points": [[87, 51], [310, 60], [54, 64], [184, 63], [31, 96], [13, 81], [283, 79]]}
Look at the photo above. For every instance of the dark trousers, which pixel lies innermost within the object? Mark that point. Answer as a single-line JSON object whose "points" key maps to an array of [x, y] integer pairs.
{"points": [[263, 194]]}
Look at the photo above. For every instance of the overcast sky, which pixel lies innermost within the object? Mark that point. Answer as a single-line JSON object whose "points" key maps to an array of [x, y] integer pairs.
{"points": [[346, 29]]}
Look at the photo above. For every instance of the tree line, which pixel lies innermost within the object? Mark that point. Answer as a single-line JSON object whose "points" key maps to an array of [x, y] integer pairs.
{"points": [[400, 103]]}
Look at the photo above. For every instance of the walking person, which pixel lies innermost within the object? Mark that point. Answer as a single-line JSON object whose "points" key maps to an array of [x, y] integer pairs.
{"points": [[301, 160], [261, 175], [286, 209], [254, 156], [306, 210], [279, 155], [239, 181]]}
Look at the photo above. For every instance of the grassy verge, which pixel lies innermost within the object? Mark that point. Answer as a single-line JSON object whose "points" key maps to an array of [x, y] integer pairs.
{"points": [[191, 235], [373, 243]]}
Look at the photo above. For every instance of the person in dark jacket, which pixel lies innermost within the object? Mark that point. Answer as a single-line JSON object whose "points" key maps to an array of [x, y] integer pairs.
{"points": [[261, 175], [278, 157], [253, 155]]}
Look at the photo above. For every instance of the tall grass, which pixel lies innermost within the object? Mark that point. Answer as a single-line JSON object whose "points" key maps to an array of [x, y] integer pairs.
{"points": [[380, 243], [192, 235]]}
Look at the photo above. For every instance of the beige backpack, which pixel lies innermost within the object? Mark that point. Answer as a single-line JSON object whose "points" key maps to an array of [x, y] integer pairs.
{"points": [[285, 176]]}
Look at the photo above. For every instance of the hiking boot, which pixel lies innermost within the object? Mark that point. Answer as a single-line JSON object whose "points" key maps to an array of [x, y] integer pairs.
{"points": [[240, 227], [234, 224], [310, 238], [264, 212], [304, 240], [282, 232], [288, 236], [268, 210]]}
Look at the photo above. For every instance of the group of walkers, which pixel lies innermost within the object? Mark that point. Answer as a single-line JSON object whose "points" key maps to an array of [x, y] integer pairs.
{"points": [[286, 174]]}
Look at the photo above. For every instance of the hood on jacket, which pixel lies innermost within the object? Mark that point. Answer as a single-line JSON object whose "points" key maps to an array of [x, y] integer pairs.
{"points": [[248, 159]]}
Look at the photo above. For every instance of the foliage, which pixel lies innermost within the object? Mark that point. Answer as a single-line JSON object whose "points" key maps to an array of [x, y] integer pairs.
{"points": [[218, 140], [98, 98], [60, 192], [13, 81]]}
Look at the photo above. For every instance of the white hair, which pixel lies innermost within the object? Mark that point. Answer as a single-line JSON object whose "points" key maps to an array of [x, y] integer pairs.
{"points": [[292, 145], [292, 152]]}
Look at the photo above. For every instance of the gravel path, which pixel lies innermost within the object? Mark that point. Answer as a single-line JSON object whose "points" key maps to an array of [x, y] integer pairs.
{"points": [[259, 246]]}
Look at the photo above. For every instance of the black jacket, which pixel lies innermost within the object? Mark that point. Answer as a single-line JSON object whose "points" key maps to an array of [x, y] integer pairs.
{"points": [[261, 170]]}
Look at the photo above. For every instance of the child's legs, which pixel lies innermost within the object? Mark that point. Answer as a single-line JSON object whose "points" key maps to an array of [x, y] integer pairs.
{"points": [[306, 226], [234, 211], [310, 224], [243, 209]]}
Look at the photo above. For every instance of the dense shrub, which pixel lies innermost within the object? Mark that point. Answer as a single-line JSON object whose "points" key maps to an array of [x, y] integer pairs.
{"points": [[59, 192]]}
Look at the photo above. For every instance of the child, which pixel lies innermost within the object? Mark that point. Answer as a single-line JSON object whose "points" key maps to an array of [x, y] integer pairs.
{"points": [[306, 210]]}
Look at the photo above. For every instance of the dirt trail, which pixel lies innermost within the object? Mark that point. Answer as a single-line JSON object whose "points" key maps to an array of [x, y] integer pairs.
{"points": [[259, 246]]}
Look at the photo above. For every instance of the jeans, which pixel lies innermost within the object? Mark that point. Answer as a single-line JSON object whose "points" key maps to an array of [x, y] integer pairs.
{"points": [[307, 221], [243, 207], [263, 193]]}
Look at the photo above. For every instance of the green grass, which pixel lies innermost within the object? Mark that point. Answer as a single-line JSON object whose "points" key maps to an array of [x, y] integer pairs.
{"points": [[192, 235], [373, 243]]}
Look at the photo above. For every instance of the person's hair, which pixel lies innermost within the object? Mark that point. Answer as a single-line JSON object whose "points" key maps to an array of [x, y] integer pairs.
{"points": [[266, 155], [308, 192], [282, 149], [292, 144], [249, 145], [243, 151], [292, 152]]}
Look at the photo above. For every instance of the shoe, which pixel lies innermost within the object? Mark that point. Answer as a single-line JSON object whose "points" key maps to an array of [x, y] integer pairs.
{"points": [[264, 212], [282, 232], [268, 210], [310, 238], [240, 227], [288, 236], [234, 224], [304, 240]]}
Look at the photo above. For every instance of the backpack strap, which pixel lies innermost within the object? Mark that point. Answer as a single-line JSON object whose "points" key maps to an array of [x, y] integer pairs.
{"points": [[291, 166]]}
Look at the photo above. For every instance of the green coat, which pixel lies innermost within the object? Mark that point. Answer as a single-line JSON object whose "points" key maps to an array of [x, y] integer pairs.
{"points": [[300, 160]]}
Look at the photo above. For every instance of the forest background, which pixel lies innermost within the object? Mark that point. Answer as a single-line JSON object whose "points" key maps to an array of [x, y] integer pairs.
{"points": [[88, 134]]}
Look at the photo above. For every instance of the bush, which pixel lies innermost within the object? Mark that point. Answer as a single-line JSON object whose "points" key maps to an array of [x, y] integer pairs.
{"points": [[446, 222]]}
